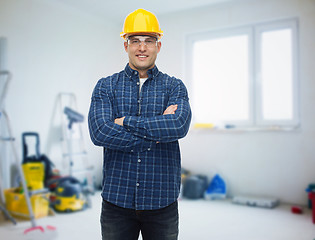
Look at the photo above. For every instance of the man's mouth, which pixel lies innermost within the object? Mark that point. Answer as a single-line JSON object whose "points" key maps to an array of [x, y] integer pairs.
{"points": [[142, 56]]}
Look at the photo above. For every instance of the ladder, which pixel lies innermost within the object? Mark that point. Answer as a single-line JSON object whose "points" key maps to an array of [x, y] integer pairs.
{"points": [[3, 139], [11, 140], [74, 155]]}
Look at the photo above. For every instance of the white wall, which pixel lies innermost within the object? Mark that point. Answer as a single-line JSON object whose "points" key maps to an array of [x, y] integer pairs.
{"points": [[267, 164], [53, 48]]}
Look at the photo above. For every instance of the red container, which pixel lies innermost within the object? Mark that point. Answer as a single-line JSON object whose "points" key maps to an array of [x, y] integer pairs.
{"points": [[311, 196], [296, 210]]}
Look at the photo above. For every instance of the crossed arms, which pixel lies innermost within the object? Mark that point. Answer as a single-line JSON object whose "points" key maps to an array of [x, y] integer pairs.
{"points": [[169, 110], [137, 133]]}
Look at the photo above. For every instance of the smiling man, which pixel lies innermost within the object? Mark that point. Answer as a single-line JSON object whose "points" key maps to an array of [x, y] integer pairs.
{"points": [[137, 116], [142, 52]]}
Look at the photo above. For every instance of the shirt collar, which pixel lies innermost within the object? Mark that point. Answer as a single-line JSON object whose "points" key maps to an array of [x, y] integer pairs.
{"points": [[152, 73]]}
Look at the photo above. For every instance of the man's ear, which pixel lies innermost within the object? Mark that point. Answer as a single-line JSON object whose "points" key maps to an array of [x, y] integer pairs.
{"points": [[126, 46], [159, 45]]}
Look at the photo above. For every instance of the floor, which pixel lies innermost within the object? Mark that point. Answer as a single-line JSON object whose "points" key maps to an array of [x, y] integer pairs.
{"points": [[199, 220]]}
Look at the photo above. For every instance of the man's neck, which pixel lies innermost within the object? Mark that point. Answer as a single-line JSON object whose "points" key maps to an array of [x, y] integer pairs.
{"points": [[143, 74]]}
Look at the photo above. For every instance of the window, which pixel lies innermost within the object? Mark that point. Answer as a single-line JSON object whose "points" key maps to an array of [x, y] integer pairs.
{"points": [[245, 77]]}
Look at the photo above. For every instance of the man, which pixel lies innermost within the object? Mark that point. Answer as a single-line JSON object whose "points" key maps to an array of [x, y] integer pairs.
{"points": [[137, 116]]}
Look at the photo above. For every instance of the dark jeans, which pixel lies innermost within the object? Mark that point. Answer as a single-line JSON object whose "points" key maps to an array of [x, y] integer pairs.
{"points": [[125, 224]]}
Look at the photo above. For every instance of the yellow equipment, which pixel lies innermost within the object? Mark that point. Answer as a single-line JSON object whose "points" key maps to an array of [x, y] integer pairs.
{"points": [[141, 21], [69, 196], [69, 204], [16, 203], [34, 173]]}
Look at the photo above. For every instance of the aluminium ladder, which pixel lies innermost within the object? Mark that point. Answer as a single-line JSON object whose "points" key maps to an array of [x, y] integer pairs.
{"points": [[3, 86], [72, 143], [11, 139]]}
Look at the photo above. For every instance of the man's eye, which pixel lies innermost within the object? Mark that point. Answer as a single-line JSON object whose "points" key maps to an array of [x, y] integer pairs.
{"points": [[135, 41], [149, 41]]}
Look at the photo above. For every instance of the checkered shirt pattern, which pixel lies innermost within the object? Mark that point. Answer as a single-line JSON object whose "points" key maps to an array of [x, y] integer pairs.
{"points": [[142, 162]]}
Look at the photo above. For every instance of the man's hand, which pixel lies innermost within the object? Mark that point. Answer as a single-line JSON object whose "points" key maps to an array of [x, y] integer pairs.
{"points": [[120, 121], [170, 109]]}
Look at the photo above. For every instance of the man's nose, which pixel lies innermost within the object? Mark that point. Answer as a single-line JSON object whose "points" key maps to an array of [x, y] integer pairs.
{"points": [[142, 46]]}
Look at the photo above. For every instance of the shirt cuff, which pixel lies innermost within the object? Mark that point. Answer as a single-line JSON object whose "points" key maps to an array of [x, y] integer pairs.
{"points": [[130, 123]]}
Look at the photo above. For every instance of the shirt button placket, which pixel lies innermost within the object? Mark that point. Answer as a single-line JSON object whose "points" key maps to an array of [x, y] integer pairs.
{"points": [[139, 161], [138, 177], [139, 102]]}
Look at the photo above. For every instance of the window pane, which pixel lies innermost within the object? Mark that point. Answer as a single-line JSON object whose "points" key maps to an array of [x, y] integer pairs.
{"points": [[277, 80], [221, 79]]}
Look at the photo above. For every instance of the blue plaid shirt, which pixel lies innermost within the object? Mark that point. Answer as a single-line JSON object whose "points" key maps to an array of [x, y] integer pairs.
{"points": [[142, 166]]}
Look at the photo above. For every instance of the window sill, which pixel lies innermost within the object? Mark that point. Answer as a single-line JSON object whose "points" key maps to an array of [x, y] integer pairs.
{"points": [[239, 129]]}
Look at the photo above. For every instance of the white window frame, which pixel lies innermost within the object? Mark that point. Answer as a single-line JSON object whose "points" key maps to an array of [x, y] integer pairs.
{"points": [[255, 91], [291, 24]]}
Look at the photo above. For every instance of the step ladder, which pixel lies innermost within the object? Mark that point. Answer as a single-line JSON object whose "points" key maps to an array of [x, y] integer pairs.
{"points": [[9, 138], [4, 82], [74, 155]]}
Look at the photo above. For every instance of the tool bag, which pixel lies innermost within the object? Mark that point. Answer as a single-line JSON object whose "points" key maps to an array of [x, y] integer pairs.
{"points": [[37, 168]]}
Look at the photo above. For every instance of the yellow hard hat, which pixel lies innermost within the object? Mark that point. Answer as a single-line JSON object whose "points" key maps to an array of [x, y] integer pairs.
{"points": [[141, 21]]}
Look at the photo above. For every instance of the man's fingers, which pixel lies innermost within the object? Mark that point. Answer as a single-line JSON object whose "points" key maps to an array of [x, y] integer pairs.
{"points": [[170, 109], [120, 121]]}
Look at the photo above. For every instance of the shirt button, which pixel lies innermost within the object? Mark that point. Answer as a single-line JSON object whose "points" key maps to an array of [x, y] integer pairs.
{"points": [[131, 150], [139, 101], [139, 160], [137, 184], [144, 136], [136, 73], [138, 83], [149, 149]]}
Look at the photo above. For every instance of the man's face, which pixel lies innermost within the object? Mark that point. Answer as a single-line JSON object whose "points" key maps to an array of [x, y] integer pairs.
{"points": [[142, 52]]}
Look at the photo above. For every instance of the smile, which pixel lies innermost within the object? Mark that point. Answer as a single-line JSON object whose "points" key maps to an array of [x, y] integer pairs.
{"points": [[142, 56]]}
